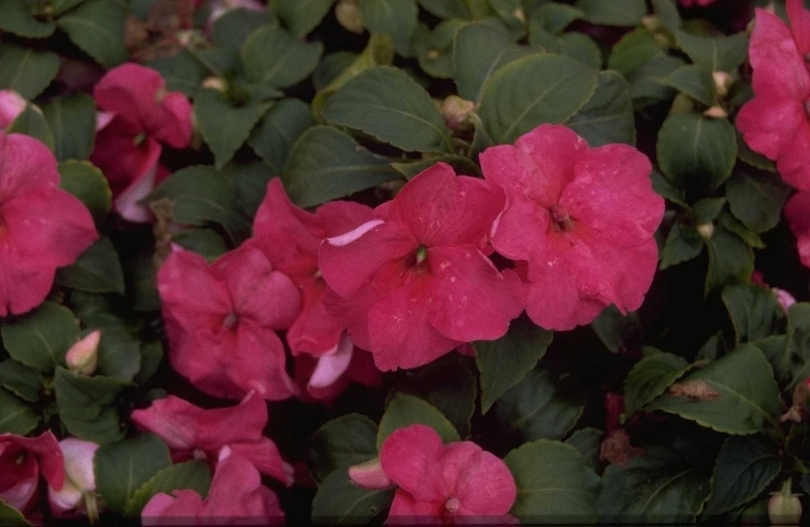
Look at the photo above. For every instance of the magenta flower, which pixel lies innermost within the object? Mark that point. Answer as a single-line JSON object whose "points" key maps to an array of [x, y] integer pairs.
{"points": [[415, 283], [22, 459], [698, 3], [775, 123], [445, 483], [237, 497], [221, 321], [193, 432], [11, 105], [80, 477], [797, 212], [141, 117], [581, 219], [41, 226]]}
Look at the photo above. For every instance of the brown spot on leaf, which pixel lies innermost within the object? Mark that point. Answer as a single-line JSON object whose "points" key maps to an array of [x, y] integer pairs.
{"points": [[698, 390]]}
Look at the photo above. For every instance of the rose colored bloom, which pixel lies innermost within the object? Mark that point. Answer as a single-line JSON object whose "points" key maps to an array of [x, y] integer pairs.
{"points": [[797, 212], [80, 477], [11, 105], [326, 359], [581, 218], [775, 123], [41, 226], [784, 298], [193, 432], [698, 3], [21, 461], [444, 483], [415, 283], [128, 145], [237, 497], [221, 318]]}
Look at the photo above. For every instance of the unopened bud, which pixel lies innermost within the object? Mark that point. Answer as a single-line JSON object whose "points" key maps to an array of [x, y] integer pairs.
{"points": [[785, 299], [215, 83], [784, 508], [12, 105], [370, 475], [519, 14], [82, 357], [706, 230], [456, 112], [349, 16], [652, 23], [716, 112], [722, 82]]}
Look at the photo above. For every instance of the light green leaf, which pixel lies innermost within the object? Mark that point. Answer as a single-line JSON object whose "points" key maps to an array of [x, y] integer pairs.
{"points": [[404, 410], [11, 517], [41, 338], [87, 183], [650, 378], [192, 475], [339, 502], [98, 28], [271, 57], [301, 16], [341, 443], [97, 270], [277, 131], [26, 71], [73, 122], [397, 18]]}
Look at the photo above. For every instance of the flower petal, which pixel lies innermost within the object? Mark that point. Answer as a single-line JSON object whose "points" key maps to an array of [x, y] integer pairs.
{"points": [[794, 164], [411, 457], [331, 366], [799, 24], [481, 482], [769, 124]]}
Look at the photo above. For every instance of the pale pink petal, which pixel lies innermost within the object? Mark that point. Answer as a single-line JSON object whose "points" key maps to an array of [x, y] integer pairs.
{"points": [[332, 365], [128, 203], [12, 104]]}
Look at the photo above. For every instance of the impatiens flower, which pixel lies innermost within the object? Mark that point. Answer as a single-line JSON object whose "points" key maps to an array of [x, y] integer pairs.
{"points": [[444, 483], [797, 212], [415, 283], [11, 105], [698, 3], [41, 226], [22, 459], [581, 219], [237, 497], [775, 123], [290, 238], [80, 478], [193, 432], [143, 117], [221, 321]]}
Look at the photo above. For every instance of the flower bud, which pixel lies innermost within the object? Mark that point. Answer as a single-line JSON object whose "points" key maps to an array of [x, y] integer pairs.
{"points": [[652, 23], [456, 112], [722, 82], [82, 357], [11, 105], [784, 508], [215, 83], [78, 491], [706, 230], [349, 16], [785, 299], [716, 112], [370, 475]]}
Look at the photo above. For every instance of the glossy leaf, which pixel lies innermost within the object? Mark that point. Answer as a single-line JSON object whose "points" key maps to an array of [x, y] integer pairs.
{"points": [[404, 410], [341, 443]]}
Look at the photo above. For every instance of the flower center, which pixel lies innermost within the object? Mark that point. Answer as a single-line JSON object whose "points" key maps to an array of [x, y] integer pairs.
{"points": [[230, 321], [199, 454], [421, 254], [20, 459], [452, 505], [139, 139], [561, 217]]}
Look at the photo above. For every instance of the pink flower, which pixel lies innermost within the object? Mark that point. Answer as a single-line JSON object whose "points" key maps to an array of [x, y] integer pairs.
{"points": [[444, 483], [11, 105], [221, 318], [21, 461], [415, 283], [581, 219], [698, 3], [193, 432], [128, 145], [775, 123], [797, 212], [237, 497], [80, 478], [290, 238], [41, 226]]}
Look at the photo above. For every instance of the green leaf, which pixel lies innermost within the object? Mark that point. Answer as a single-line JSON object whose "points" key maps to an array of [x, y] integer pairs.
{"points": [[731, 260], [466, 9], [250, 181], [397, 18], [181, 71], [333, 64], [88, 406], [714, 348], [667, 11], [694, 81], [40, 338], [16, 417], [667, 190], [32, 123], [202, 241], [342, 443], [554, 17], [706, 210], [532, 91], [11, 517], [277, 131], [608, 116], [26, 71], [619, 333], [582, 48], [224, 127], [271, 57], [554, 484], [97, 270], [462, 166], [447, 384], [326, 164], [541, 406], [87, 183], [715, 54], [650, 378], [302, 16], [151, 356], [23, 381], [683, 244], [696, 153], [588, 442], [645, 88], [389, 105], [744, 468], [73, 122], [339, 502], [756, 198], [798, 342], [481, 50], [633, 50], [754, 159], [18, 17], [614, 13], [119, 355], [405, 410], [503, 363], [124, 467], [192, 475], [747, 398], [754, 310], [659, 487], [434, 49], [98, 28]]}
